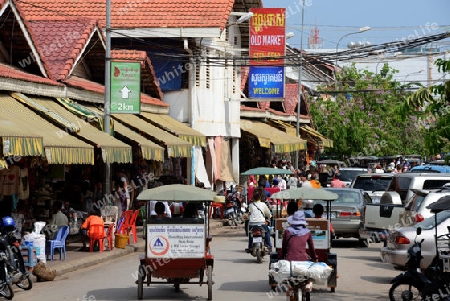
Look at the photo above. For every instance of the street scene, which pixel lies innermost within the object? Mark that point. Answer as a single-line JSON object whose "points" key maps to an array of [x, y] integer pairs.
{"points": [[214, 150], [363, 277]]}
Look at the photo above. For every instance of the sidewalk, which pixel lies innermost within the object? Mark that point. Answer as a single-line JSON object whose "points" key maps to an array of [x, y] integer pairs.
{"points": [[76, 259]]}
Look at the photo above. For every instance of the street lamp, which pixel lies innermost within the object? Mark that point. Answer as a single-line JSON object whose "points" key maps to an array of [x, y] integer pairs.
{"points": [[243, 17], [362, 29], [383, 60], [417, 72]]}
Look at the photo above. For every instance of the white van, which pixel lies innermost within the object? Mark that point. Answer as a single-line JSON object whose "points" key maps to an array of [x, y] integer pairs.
{"points": [[402, 183]]}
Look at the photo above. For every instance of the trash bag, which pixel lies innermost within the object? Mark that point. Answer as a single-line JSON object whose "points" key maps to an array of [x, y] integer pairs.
{"points": [[43, 273]]}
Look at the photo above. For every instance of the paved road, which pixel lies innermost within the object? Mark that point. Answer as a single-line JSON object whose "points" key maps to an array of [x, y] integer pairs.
{"points": [[362, 276]]}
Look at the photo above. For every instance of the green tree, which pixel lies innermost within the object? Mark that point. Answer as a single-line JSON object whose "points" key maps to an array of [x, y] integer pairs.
{"points": [[364, 117], [431, 105]]}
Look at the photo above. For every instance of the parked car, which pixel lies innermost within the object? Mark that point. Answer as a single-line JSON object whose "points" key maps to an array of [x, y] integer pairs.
{"points": [[375, 184], [346, 211], [431, 168], [416, 210], [348, 174], [398, 242], [403, 183]]}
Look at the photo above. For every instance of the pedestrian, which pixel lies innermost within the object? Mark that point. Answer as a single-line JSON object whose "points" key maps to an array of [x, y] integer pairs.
{"points": [[259, 213], [336, 182], [318, 211], [58, 219]]}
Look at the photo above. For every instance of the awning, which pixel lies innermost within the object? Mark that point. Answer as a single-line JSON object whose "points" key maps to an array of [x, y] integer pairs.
{"points": [[281, 141], [149, 150], [290, 129], [177, 128], [326, 142], [113, 150], [60, 148], [15, 140], [176, 147]]}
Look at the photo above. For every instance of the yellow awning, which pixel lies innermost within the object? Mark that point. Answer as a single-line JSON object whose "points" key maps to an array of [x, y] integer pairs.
{"points": [[113, 150], [281, 141], [177, 128], [16, 141], [3, 164], [326, 142], [176, 147], [59, 146], [290, 129], [149, 150]]}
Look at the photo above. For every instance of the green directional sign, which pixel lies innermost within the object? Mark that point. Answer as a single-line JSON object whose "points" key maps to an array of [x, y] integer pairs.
{"points": [[125, 87]]}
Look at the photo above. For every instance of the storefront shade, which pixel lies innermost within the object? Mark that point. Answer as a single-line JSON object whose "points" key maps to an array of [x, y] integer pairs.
{"points": [[326, 142], [281, 141], [177, 192], [176, 147], [17, 140], [59, 146], [181, 130], [113, 150]]}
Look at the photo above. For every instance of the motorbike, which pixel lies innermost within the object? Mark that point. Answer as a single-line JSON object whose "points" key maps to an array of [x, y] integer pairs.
{"points": [[259, 248], [415, 284], [6, 290], [233, 209]]}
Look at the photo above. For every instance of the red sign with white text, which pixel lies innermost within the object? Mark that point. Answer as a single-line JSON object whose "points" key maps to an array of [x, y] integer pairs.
{"points": [[267, 36]]}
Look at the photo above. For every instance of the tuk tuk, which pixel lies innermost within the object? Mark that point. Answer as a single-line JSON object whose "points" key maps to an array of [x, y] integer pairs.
{"points": [[319, 227], [176, 248]]}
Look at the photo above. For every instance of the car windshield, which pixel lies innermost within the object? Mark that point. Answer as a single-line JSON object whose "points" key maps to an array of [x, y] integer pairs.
{"points": [[349, 175], [372, 183], [429, 222]]}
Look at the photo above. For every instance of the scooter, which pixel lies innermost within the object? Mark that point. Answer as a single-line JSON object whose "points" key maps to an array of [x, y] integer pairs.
{"points": [[414, 284], [6, 290], [259, 248], [233, 210]]}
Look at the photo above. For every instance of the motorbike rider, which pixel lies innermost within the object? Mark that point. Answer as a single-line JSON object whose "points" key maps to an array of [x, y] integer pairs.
{"points": [[258, 214]]}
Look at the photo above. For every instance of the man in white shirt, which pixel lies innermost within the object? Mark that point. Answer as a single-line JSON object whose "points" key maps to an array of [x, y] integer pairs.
{"points": [[281, 183], [167, 211]]}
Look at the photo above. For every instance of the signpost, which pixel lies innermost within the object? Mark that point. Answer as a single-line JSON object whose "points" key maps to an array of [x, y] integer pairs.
{"points": [[267, 51], [125, 87]]}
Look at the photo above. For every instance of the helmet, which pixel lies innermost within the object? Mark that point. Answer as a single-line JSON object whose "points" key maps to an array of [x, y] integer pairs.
{"points": [[8, 224]]}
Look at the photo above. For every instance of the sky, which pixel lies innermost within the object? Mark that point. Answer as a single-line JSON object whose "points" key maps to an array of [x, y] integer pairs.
{"points": [[389, 21]]}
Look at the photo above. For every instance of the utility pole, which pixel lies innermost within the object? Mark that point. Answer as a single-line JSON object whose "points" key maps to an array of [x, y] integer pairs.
{"points": [[107, 108]]}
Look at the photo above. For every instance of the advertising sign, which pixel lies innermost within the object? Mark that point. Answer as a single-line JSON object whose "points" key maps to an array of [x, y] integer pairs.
{"points": [[266, 82], [267, 51], [125, 87], [267, 36], [175, 241]]}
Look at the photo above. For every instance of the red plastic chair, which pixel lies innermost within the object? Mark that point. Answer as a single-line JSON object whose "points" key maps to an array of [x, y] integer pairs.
{"points": [[96, 234], [124, 222], [131, 229]]}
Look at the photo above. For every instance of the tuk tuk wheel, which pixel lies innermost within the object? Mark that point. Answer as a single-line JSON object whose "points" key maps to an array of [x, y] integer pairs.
{"points": [[210, 282], [140, 287]]}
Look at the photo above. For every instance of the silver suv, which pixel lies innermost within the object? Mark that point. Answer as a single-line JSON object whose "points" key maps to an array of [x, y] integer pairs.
{"points": [[375, 184], [416, 208], [348, 174]]}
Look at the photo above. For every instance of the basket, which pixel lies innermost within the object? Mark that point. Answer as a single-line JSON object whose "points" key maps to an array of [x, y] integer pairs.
{"points": [[120, 241]]}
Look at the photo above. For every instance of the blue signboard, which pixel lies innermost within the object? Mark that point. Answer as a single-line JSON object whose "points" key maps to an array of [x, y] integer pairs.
{"points": [[266, 82]]}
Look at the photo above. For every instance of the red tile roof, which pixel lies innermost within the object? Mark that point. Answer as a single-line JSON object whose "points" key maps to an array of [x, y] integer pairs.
{"points": [[135, 14], [291, 98], [12, 72], [61, 41], [81, 83]]}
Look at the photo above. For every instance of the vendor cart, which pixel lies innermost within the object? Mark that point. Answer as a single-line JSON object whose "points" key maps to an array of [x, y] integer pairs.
{"points": [[177, 248], [320, 229]]}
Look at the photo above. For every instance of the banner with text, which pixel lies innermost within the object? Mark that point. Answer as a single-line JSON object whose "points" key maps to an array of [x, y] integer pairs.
{"points": [[267, 51], [267, 36], [266, 82]]}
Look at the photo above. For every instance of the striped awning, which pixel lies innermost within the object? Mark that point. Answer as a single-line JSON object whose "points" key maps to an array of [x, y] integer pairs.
{"points": [[15, 140], [176, 147], [177, 128], [113, 150], [149, 150], [281, 141], [59, 146], [326, 142]]}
